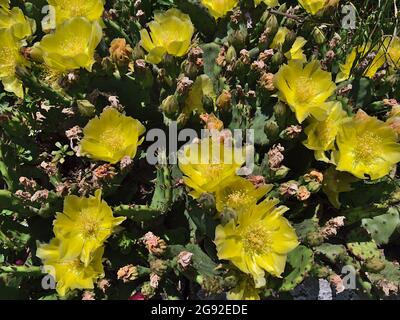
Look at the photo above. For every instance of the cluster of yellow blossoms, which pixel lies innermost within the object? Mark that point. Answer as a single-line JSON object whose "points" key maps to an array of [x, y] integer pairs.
{"points": [[388, 51], [254, 236], [15, 28], [74, 256], [77, 33], [360, 145]]}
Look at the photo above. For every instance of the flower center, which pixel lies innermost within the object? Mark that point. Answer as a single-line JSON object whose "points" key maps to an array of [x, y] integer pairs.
{"points": [[90, 227], [75, 267], [72, 44], [238, 199], [112, 140], [365, 150], [305, 89], [256, 240], [8, 59]]}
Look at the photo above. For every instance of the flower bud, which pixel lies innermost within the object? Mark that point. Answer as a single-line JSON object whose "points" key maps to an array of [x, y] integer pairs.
{"points": [[281, 172], [237, 38], [86, 108], [277, 59], [318, 35], [224, 100], [207, 201], [272, 25], [271, 129], [170, 106], [280, 112], [148, 290], [290, 38], [230, 55]]}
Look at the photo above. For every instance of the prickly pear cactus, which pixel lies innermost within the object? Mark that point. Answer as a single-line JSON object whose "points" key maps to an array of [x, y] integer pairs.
{"points": [[197, 149]]}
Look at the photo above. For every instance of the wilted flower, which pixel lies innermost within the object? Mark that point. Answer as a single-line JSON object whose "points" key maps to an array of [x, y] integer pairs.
{"points": [[267, 81], [84, 225], [185, 259], [10, 58], [367, 147], [170, 32], [69, 271], [111, 137], [128, 273], [275, 156], [212, 122], [88, 295], [303, 193], [258, 241], [120, 51], [304, 89], [67, 9], [224, 100], [207, 163], [220, 8], [154, 244], [71, 46]]}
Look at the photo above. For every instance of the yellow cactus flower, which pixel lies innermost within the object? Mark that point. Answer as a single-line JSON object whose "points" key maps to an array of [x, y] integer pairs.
{"points": [[4, 4], [336, 182], [111, 137], [359, 53], [84, 225], [313, 6], [10, 58], [14, 20], [207, 163], [238, 193], [170, 32], [258, 241], [69, 272], [202, 87], [71, 46], [67, 9], [367, 147], [304, 89], [219, 8], [244, 290], [296, 51], [279, 37], [321, 134], [392, 46], [269, 3]]}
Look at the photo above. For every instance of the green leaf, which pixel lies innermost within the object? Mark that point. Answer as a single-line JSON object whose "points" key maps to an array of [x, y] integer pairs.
{"points": [[382, 227]]}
